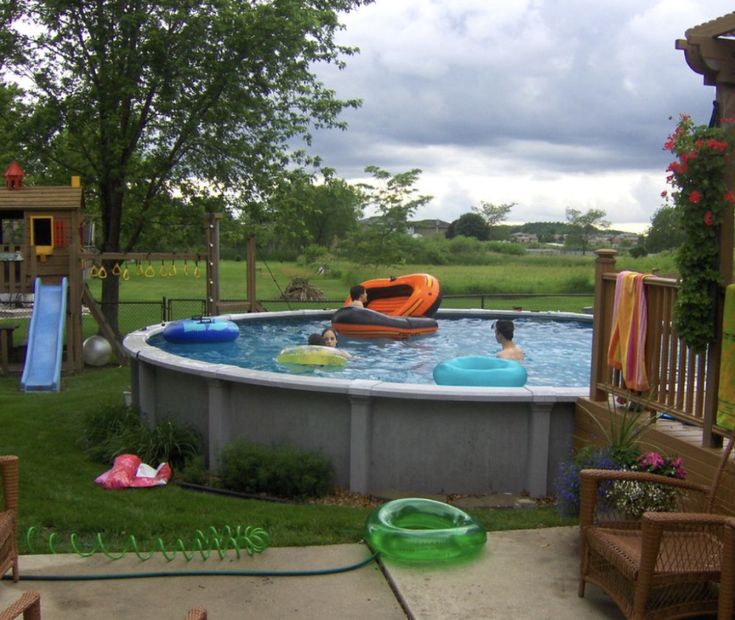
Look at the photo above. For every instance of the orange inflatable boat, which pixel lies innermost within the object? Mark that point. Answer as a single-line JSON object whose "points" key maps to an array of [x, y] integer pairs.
{"points": [[397, 307], [365, 323], [417, 294]]}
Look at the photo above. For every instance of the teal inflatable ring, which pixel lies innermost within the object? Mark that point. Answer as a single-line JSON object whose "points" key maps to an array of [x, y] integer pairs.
{"points": [[480, 371], [416, 530]]}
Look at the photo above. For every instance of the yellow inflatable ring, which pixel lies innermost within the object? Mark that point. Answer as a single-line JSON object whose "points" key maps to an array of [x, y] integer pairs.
{"points": [[313, 355], [415, 530]]}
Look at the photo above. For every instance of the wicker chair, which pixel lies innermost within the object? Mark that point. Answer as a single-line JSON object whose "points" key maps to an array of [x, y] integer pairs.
{"points": [[9, 516], [196, 613], [29, 604], [664, 564]]}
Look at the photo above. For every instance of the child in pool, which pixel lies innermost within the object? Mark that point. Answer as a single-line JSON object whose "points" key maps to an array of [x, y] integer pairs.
{"points": [[329, 338], [504, 336], [359, 296]]}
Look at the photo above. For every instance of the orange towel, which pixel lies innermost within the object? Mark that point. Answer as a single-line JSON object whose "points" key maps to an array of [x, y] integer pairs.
{"points": [[628, 337]]}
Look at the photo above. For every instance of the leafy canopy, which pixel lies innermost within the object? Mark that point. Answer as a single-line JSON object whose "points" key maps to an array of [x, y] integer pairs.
{"points": [[148, 100], [394, 199]]}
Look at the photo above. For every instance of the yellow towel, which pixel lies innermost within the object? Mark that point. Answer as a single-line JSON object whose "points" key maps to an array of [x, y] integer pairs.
{"points": [[628, 338], [726, 394]]}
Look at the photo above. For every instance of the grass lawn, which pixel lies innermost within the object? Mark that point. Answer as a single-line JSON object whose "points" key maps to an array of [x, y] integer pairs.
{"points": [[58, 493]]}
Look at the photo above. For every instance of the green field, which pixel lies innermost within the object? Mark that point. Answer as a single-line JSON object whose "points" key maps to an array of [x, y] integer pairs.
{"points": [[532, 282]]}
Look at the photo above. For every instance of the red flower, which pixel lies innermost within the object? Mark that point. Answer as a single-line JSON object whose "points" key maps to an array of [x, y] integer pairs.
{"points": [[688, 156], [695, 196], [708, 217], [664, 194], [729, 197], [678, 167], [717, 145]]}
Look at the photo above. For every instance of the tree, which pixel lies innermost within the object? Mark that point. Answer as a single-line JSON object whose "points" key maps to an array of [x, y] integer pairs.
{"points": [[583, 226], [395, 199], [469, 225], [666, 231], [305, 211], [149, 100], [494, 214]]}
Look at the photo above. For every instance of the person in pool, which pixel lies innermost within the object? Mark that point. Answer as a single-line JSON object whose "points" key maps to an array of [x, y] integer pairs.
{"points": [[316, 339], [504, 336], [329, 338], [358, 295]]}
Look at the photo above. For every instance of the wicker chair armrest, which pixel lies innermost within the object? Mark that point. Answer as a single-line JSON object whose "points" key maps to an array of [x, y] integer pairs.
{"points": [[10, 476], [590, 480], [640, 476], [670, 520], [703, 528], [29, 604]]}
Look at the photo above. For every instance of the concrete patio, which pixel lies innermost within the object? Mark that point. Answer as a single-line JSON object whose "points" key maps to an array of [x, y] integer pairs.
{"points": [[520, 574]]}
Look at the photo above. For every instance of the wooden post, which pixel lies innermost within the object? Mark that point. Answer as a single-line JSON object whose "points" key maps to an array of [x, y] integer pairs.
{"points": [[605, 263], [253, 304], [212, 224]]}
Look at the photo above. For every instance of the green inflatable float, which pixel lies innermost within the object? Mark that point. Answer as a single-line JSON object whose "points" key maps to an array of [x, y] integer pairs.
{"points": [[415, 530]]}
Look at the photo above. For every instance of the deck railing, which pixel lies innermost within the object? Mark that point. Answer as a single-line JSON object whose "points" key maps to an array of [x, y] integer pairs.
{"points": [[683, 382]]}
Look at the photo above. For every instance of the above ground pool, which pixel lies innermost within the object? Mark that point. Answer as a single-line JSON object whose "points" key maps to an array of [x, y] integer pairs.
{"points": [[380, 419], [557, 349]]}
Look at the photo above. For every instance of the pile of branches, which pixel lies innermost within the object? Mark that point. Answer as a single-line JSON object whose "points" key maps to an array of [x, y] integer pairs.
{"points": [[299, 289]]}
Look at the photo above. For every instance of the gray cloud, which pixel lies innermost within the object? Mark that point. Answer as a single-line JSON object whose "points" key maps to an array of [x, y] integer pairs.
{"points": [[535, 98]]}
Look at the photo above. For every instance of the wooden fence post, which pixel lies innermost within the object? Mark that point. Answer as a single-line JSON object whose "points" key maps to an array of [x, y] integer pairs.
{"points": [[605, 263]]}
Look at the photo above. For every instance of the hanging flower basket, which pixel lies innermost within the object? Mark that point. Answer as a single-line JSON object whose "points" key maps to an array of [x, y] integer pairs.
{"points": [[699, 179]]}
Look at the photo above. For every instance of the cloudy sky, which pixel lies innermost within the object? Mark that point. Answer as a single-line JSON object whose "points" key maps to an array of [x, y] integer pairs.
{"points": [[545, 103]]}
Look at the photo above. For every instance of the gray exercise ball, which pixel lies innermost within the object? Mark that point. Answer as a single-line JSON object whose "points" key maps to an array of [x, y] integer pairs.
{"points": [[96, 351]]}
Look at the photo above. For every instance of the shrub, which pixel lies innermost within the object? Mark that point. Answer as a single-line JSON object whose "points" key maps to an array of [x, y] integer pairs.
{"points": [[110, 432], [195, 472], [275, 470], [504, 247]]}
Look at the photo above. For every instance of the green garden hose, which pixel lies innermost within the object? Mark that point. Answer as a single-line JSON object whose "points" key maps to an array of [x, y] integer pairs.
{"points": [[250, 539]]}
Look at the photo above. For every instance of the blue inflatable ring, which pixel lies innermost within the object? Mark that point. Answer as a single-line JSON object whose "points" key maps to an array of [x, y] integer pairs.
{"points": [[204, 329], [480, 371], [416, 530]]}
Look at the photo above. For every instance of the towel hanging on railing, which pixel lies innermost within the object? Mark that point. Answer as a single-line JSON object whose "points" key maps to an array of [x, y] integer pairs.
{"points": [[628, 337]]}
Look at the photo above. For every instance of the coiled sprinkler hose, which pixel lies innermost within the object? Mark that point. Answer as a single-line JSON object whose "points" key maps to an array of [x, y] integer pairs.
{"points": [[249, 539]]}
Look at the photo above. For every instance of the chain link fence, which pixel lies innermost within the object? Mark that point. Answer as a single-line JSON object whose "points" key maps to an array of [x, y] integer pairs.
{"points": [[133, 315]]}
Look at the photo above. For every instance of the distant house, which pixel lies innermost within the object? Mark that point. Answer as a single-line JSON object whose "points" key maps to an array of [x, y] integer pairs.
{"points": [[427, 228], [524, 238]]}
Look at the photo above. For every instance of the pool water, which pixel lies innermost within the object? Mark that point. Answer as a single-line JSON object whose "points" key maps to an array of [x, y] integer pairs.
{"points": [[557, 352]]}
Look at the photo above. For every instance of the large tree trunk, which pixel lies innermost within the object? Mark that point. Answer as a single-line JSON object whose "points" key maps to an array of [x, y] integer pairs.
{"points": [[112, 205]]}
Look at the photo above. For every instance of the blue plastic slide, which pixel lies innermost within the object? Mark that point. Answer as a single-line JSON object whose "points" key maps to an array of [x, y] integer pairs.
{"points": [[42, 370]]}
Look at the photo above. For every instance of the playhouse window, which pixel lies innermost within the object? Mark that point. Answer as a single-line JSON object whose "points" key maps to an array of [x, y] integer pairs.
{"points": [[12, 228]]}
